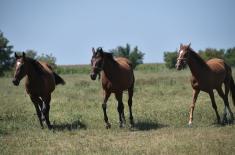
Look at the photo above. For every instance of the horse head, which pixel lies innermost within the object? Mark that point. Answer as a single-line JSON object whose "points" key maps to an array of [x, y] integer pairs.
{"points": [[20, 69], [97, 62], [183, 56]]}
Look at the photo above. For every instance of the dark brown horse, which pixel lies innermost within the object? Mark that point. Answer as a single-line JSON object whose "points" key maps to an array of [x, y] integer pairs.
{"points": [[117, 75], [40, 83], [207, 76]]}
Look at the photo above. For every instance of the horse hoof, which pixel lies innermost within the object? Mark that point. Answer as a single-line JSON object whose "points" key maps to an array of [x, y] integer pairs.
{"points": [[121, 125], [132, 123], [108, 126], [225, 121], [190, 124], [50, 127]]}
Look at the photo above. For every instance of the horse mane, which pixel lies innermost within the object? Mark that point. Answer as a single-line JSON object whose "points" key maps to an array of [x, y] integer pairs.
{"points": [[198, 58], [109, 56], [36, 65]]}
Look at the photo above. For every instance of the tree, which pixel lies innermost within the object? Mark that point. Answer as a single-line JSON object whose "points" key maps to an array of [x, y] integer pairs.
{"points": [[47, 58], [170, 59], [210, 53], [50, 59], [135, 55], [31, 54], [230, 56], [6, 60]]}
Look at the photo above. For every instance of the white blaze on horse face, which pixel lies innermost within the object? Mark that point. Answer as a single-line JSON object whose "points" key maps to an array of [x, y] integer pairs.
{"points": [[180, 56], [18, 63], [181, 53]]}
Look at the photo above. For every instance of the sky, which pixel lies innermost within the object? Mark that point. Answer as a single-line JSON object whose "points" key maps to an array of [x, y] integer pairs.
{"points": [[68, 29]]}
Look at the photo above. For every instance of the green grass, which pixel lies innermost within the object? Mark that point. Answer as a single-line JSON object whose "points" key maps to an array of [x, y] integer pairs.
{"points": [[160, 106]]}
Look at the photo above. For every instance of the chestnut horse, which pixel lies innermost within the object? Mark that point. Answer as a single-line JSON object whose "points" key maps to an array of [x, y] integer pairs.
{"points": [[117, 75], [40, 83], [207, 76]]}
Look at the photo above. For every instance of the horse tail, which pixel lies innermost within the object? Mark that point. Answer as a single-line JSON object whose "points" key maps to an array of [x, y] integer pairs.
{"points": [[232, 89], [58, 79]]}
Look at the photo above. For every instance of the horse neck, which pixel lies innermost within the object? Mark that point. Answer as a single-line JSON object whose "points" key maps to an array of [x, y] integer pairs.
{"points": [[197, 65], [110, 69], [32, 73]]}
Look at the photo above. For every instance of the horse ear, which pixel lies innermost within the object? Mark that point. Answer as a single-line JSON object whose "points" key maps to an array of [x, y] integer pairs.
{"points": [[93, 50], [16, 56], [100, 51], [181, 45], [189, 45]]}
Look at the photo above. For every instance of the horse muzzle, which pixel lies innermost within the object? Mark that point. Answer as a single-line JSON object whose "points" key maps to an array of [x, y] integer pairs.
{"points": [[178, 67], [93, 76], [16, 82]]}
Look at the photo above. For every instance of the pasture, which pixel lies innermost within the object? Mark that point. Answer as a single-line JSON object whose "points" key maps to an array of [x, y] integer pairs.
{"points": [[161, 104]]}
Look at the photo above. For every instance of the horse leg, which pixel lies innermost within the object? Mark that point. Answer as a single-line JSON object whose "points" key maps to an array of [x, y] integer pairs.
{"points": [[104, 107], [226, 85], [130, 94], [120, 108], [47, 110], [225, 99], [37, 101], [214, 105], [195, 95]]}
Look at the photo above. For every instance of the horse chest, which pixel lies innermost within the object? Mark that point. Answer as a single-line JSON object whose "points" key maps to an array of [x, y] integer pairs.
{"points": [[34, 88]]}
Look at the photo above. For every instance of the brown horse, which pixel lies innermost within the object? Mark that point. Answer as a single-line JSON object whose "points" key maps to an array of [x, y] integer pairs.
{"points": [[207, 76], [40, 83], [117, 75]]}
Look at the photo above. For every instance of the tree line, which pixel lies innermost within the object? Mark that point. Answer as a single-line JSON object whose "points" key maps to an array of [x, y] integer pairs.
{"points": [[7, 56], [133, 54], [228, 55]]}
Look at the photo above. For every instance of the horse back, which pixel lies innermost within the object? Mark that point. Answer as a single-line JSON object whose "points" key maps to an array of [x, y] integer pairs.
{"points": [[216, 65], [213, 77]]}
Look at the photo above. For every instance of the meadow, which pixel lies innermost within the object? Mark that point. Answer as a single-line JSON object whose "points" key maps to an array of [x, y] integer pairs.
{"points": [[161, 102]]}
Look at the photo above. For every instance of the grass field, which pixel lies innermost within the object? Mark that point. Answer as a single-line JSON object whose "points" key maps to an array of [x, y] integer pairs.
{"points": [[160, 106]]}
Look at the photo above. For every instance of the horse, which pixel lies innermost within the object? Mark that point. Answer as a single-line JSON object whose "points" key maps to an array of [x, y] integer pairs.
{"points": [[116, 76], [207, 76], [40, 82]]}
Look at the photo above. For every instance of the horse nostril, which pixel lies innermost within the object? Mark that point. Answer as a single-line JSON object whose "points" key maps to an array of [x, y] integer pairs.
{"points": [[15, 82], [93, 76]]}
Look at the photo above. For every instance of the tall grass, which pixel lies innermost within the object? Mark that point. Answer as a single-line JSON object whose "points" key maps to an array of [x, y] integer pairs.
{"points": [[160, 107]]}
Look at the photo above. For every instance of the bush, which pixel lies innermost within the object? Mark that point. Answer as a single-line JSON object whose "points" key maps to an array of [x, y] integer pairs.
{"points": [[135, 55], [170, 59], [230, 56]]}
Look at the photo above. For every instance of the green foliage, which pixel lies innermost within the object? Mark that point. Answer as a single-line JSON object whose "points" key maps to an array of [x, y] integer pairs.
{"points": [[230, 56], [47, 58], [152, 68], [6, 60], [73, 69], [135, 55], [210, 53], [31, 54], [170, 59]]}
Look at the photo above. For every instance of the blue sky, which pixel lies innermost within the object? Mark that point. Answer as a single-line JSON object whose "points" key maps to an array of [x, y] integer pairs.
{"points": [[70, 28]]}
